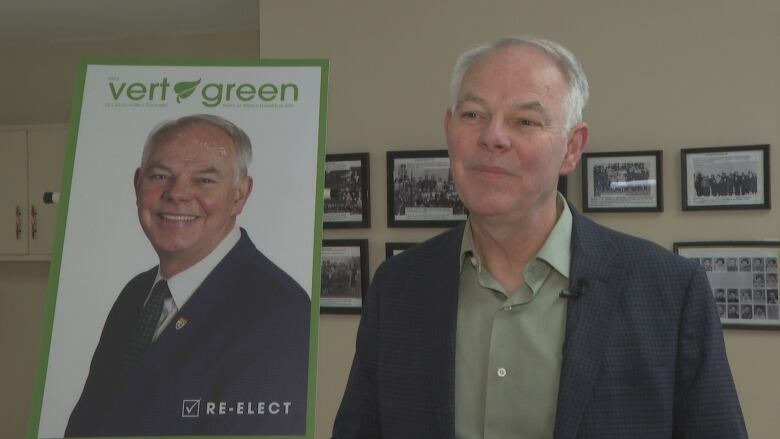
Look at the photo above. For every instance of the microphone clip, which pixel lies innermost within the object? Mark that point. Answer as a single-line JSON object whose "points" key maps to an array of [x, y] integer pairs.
{"points": [[576, 291]]}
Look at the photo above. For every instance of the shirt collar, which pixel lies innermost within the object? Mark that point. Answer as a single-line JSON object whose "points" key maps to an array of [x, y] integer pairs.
{"points": [[555, 251], [184, 284], [466, 244]]}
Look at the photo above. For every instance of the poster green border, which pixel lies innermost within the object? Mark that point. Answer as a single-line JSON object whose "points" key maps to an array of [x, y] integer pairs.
{"points": [[67, 177]]}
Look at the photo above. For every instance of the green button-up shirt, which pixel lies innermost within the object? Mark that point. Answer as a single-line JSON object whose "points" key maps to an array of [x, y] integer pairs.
{"points": [[509, 346]]}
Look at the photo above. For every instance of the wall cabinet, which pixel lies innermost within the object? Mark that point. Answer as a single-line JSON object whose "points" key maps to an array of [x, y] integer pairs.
{"points": [[31, 163]]}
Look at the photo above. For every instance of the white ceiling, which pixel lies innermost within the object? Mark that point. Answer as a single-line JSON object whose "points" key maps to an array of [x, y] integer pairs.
{"points": [[24, 21]]}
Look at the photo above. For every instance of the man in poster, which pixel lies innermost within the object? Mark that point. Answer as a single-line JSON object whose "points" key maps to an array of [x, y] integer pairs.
{"points": [[215, 339]]}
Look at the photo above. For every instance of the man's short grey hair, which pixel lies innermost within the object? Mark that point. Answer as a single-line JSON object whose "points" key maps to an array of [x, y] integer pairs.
{"points": [[236, 134], [571, 68]]}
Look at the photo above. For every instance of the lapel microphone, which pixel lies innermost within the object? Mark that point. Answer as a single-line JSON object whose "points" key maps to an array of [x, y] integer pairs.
{"points": [[577, 291]]}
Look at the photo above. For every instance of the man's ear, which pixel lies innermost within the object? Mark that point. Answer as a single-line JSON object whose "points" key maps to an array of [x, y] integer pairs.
{"points": [[137, 183], [447, 122], [241, 194], [575, 146]]}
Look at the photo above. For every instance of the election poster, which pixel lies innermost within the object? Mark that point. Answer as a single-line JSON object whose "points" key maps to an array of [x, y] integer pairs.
{"points": [[184, 287]]}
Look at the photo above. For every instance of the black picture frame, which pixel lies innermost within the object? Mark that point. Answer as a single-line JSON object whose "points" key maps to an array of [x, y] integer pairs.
{"points": [[347, 202], [625, 181], [343, 291], [725, 178], [393, 248], [744, 280], [429, 200]]}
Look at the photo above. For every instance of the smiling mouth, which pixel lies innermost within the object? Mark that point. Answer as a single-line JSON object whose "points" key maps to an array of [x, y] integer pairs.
{"points": [[491, 170], [171, 217]]}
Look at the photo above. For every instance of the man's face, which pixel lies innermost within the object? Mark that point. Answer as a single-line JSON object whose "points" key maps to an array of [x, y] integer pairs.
{"points": [[507, 139], [187, 195]]}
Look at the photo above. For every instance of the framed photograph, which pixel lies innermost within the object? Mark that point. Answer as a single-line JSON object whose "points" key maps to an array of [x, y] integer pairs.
{"points": [[726, 177], [346, 191], [394, 248], [344, 275], [743, 277], [622, 182], [420, 190]]}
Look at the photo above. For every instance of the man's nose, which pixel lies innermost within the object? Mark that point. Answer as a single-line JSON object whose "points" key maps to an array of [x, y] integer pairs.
{"points": [[494, 136], [178, 190]]}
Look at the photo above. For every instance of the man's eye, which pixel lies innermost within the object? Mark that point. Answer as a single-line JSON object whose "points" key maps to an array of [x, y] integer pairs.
{"points": [[469, 115], [158, 177], [206, 180], [529, 123]]}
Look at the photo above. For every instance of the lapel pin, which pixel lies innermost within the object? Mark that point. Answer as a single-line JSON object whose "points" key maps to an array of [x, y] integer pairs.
{"points": [[181, 323]]}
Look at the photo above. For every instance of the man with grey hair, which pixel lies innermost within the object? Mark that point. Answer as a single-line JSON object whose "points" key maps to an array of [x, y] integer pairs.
{"points": [[530, 320], [215, 339]]}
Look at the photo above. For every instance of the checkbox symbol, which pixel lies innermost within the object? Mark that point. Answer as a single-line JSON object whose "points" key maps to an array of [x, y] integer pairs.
{"points": [[190, 408]]}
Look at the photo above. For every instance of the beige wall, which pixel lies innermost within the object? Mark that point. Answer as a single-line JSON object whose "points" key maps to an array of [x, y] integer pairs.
{"points": [[38, 79], [664, 75]]}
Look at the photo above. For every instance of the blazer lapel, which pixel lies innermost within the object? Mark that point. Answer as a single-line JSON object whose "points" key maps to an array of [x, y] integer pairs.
{"points": [[594, 261], [442, 301]]}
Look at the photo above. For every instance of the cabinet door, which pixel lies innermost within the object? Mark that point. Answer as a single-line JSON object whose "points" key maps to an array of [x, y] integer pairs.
{"points": [[46, 155], [13, 192]]}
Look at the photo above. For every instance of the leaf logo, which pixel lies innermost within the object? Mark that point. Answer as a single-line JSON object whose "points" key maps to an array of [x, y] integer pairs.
{"points": [[185, 89]]}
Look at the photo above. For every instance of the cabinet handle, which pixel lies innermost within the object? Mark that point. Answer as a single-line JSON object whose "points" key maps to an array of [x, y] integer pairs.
{"points": [[34, 221], [18, 222]]}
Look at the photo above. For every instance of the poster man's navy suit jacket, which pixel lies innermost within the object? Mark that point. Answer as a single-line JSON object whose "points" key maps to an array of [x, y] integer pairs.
{"points": [[245, 340], [643, 355]]}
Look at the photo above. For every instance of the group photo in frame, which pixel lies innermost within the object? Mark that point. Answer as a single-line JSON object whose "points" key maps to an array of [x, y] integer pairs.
{"points": [[726, 177], [629, 181], [343, 275], [394, 248], [421, 191], [347, 192], [744, 279]]}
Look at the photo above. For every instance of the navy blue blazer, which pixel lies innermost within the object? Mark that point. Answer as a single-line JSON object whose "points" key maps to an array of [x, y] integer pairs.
{"points": [[643, 355], [242, 354]]}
